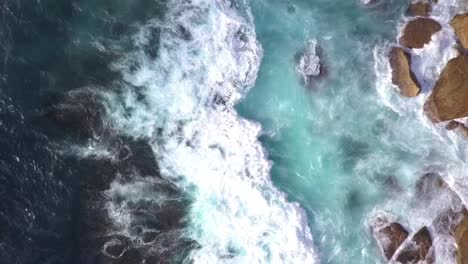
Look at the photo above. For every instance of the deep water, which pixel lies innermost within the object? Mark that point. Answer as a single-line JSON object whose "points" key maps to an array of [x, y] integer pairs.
{"points": [[183, 132]]}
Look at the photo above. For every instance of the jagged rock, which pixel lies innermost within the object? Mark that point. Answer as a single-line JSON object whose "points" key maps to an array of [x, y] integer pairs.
{"points": [[419, 32], [460, 26], [461, 237], [389, 236], [402, 76], [419, 9], [417, 249], [449, 97]]}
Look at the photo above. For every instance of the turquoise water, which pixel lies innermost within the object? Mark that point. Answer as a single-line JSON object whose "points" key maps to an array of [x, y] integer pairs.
{"points": [[337, 147]]}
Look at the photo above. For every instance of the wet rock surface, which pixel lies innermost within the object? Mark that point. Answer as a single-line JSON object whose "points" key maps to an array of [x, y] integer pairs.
{"points": [[460, 26], [449, 97], [418, 32], [402, 76], [389, 236], [418, 249]]}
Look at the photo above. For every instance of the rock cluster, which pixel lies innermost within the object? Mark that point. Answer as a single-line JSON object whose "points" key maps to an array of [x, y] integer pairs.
{"points": [[399, 245], [449, 97]]}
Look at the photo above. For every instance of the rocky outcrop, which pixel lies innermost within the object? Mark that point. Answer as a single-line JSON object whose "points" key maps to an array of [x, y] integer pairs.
{"points": [[418, 32], [419, 9], [418, 249], [448, 100], [389, 236], [402, 76], [460, 26], [461, 237]]}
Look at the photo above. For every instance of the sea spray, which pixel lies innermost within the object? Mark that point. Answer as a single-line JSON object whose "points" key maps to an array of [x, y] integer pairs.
{"points": [[180, 98]]}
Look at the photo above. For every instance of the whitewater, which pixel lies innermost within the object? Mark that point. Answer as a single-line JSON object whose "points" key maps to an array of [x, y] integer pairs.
{"points": [[182, 101]]}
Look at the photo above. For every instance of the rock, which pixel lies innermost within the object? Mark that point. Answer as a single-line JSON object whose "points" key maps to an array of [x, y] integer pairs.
{"points": [[419, 9], [417, 249], [389, 236], [452, 125], [449, 97], [429, 184], [402, 76], [460, 26], [81, 112], [419, 32], [461, 237], [310, 65]]}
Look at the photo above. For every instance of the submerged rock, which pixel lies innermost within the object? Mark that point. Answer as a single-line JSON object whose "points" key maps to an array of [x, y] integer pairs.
{"points": [[460, 26], [309, 62], [402, 76], [429, 184], [81, 112], [389, 236], [419, 32], [418, 249], [448, 100], [461, 237], [419, 9]]}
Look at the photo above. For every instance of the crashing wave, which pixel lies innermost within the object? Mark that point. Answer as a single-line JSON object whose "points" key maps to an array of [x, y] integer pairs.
{"points": [[181, 83]]}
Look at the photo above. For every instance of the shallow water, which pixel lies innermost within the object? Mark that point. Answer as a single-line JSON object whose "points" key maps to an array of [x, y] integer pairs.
{"points": [[348, 145]]}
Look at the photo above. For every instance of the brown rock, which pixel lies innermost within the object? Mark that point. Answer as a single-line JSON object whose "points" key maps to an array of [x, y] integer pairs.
{"points": [[419, 32], [452, 125], [389, 238], [401, 73], [419, 9], [450, 96], [461, 237], [418, 248], [460, 25]]}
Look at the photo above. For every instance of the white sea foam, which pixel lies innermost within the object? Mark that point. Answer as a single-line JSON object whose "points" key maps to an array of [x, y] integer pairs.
{"points": [[309, 63], [183, 102]]}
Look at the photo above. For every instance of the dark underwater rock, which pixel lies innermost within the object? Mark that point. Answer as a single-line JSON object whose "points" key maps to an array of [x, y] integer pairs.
{"points": [[80, 112]]}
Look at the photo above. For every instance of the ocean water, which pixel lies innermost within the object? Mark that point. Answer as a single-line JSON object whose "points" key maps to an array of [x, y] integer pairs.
{"points": [[184, 131]]}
